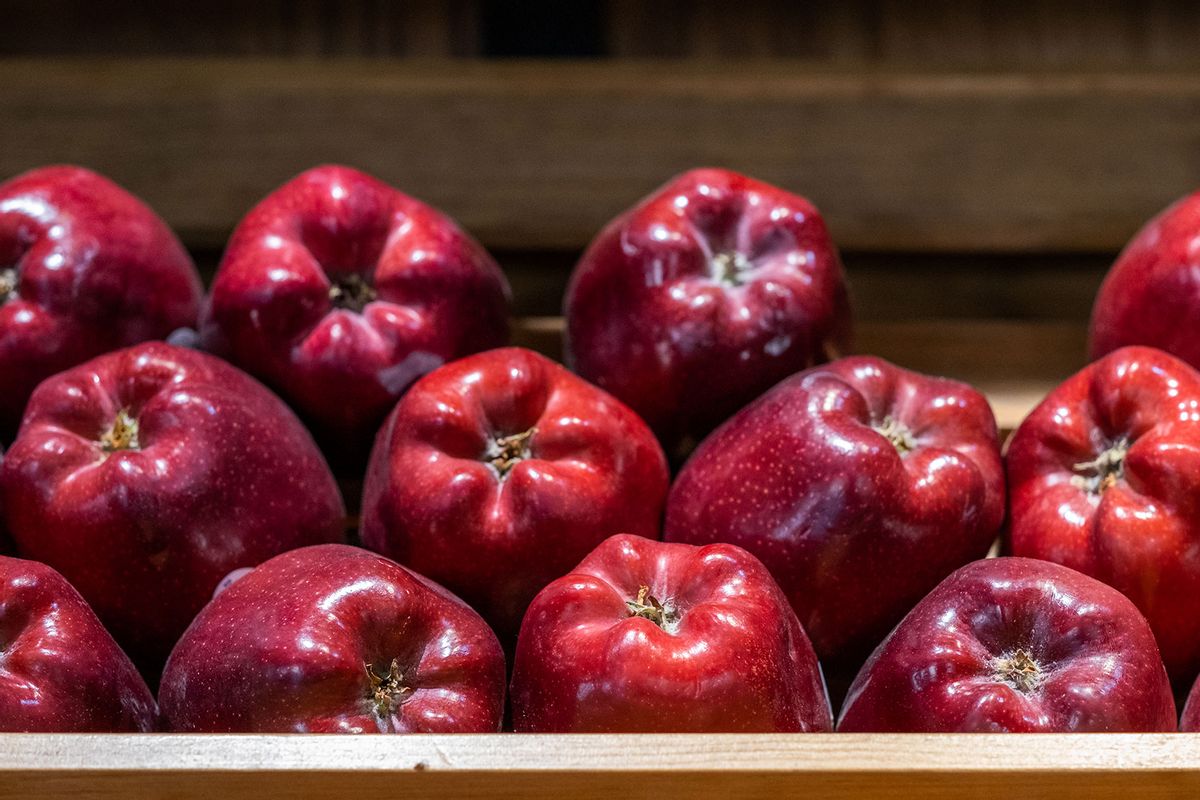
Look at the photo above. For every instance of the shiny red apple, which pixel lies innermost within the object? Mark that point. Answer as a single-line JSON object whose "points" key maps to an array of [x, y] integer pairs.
{"points": [[859, 484], [703, 296], [645, 636], [1151, 295], [1015, 645], [60, 670], [85, 267], [1104, 477], [497, 473], [335, 639], [144, 476], [339, 292]]}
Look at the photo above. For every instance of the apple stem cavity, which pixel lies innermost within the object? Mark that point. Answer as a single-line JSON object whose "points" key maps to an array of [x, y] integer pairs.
{"points": [[123, 435], [729, 267], [647, 606], [505, 452], [1103, 471], [1018, 670], [8, 284], [387, 692], [897, 433], [351, 292]]}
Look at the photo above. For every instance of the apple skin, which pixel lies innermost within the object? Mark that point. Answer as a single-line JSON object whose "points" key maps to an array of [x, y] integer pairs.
{"points": [[1151, 296], [1015, 645], [219, 475], [651, 319], [810, 479], [62, 671], [339, 291], [731, 657], [1104, 477], [94, 270], [286, 648], [1190, 722], [436, 498]]}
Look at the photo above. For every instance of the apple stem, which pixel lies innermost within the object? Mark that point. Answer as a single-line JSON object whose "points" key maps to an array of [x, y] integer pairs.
{"points": [[123, 435], [1019, 670], [897, 433], [1104, 470], [387, 691], [728, 267], [351, 292], [8, 284], [647, 606], [504, 452]]}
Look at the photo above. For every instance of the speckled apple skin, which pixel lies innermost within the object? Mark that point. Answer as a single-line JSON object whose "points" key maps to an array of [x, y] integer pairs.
{"points": [[1190, 722], [285, 649], [96, 270], [1151, 296], [432, 502], [738, 660], [1142, 534], [936, 671], [648, 322], [854, 532], [439, 296], [62, 672], [225, 477]]}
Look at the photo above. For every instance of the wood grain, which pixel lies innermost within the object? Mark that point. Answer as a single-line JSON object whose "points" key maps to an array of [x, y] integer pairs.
{"points": [[538, 155]]}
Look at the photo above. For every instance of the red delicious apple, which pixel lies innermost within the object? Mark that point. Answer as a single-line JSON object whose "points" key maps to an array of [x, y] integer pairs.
{"points": [[335, 639], [146, 475], [646, 636], [497, 473], [1015, 645], [85, 268], [1105, 478], [1191, 711], [60, 670], [704, 295], [340, 291], [859, 484], [1151, 295]]}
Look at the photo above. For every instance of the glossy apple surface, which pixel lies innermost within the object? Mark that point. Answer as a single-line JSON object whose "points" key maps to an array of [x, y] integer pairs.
{"points": [[1015, 645], [703, 296], [60, 670], [335, 639], [144, 476], [497, 473], [859, 484], [1104, 477], [85, 268], [645, 636], [1151, 296], [339, 292]]}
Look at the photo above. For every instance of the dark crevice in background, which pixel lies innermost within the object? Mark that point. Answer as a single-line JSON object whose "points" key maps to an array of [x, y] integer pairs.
{"points": [[542, 29]]}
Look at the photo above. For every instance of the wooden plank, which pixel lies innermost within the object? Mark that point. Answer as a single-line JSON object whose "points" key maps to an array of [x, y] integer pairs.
{"points": [[1096, 766], [539, 155]]}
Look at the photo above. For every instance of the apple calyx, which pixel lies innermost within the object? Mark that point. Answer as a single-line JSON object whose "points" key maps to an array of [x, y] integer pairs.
{"points": [[729, 267], [123, 435], [897, 433], [351, 292], [505, 452], [388, 691], [8, 284], [647, 606], [1018, 670], [1103, 471]]}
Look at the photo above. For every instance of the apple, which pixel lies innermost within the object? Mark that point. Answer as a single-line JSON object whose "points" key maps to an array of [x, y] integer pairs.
{"points": [[1104, 477], [146, 475], [859, 484], [339, 291], [1190, 723], [703, 296], [85, 268], [497, 473], [335, 639], [1151, 296], [645, 636], [61, 670], [1015, 645]]}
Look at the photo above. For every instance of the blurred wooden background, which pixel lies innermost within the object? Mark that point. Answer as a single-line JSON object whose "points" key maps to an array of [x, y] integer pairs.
{"points": [[974, 159]]}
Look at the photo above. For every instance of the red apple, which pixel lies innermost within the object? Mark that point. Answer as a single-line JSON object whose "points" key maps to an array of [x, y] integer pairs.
{"points": [[146, 475], [704, 295], [335, 639], [859, 484], [85, 268], [499, 472], [645, 636], [1105, 478], [1015, 645], [339, 292], [1191, 711], [60, 670], [1151, 295]]}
